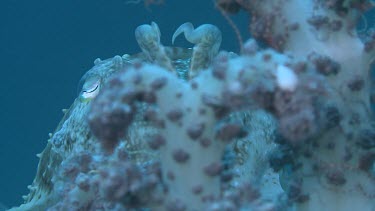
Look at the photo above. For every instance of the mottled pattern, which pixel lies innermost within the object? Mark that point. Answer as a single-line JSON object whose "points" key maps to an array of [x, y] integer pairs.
{"points": [[177, 129], [73, 137]]}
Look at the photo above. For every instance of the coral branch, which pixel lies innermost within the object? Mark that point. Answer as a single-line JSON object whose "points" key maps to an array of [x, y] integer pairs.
{"points": [[190, 140], [323, 32], [289, 126]]}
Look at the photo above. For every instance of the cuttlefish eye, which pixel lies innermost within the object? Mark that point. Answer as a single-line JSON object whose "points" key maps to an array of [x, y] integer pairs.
{"points": [[90, 89]]}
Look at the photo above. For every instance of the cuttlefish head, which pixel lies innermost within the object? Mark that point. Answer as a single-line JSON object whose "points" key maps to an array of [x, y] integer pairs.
{"points": [[93, 80]]}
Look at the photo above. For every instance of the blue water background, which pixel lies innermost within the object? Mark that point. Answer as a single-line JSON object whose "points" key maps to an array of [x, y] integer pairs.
{"points": [[46, 46]]}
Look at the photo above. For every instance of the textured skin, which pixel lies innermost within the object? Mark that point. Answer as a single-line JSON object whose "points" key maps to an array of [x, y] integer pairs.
{"points": [[73, 137], [202, 157]]}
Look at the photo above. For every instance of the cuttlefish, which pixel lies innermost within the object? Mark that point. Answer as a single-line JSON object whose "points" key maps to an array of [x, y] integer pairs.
{"points": [[73, 137]]}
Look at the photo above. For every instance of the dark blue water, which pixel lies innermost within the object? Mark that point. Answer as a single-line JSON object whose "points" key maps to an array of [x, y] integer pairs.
{"points": [[46, 46]]}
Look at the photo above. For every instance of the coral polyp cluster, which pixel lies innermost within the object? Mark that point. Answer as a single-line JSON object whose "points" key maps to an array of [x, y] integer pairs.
{"points": [[286, 126]]}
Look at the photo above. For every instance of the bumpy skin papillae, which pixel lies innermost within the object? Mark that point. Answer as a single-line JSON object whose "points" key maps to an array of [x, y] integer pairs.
{"points": [[148, 38], [71, 137], [72, 134], [207, 40], [336, 168], [326, 156]]}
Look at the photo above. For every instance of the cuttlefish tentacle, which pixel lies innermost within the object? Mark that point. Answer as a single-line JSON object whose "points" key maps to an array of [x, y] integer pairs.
{"points": [[207, 40], [148, 38]]}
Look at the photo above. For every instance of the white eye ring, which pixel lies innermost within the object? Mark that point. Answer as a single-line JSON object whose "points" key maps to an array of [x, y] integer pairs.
{"points": [[90, 89]]}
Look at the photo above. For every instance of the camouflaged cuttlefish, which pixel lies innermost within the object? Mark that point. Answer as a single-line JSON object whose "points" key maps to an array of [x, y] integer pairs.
{"points": [[73, 136]]}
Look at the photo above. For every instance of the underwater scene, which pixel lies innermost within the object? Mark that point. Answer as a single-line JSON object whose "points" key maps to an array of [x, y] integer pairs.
{"points": [[171, 105]]}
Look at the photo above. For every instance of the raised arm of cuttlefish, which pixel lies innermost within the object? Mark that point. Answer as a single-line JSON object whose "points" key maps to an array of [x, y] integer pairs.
{"points": [[148, 38], [207, 40]]}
